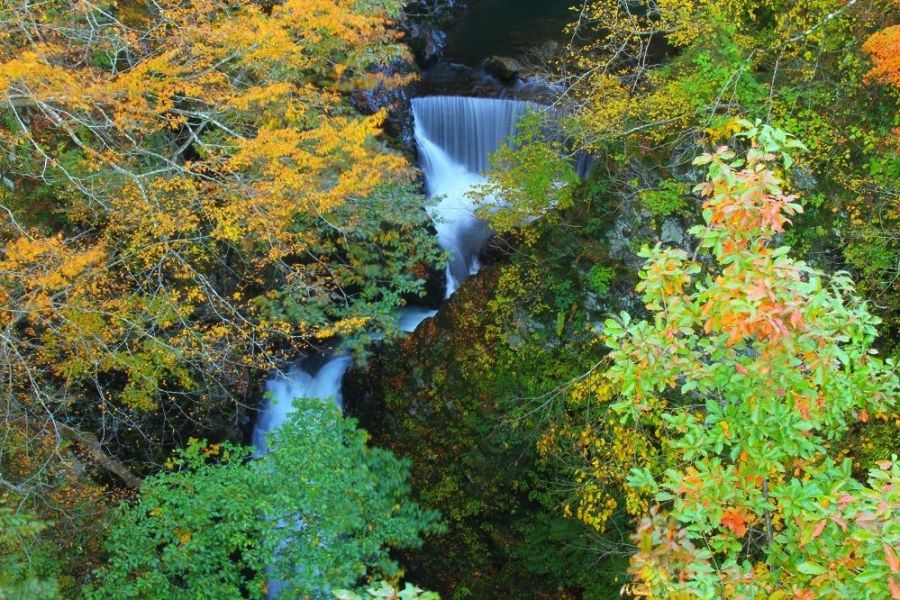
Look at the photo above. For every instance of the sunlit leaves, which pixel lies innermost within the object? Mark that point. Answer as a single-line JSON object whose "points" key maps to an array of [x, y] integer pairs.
{"points": [[175, 167], [884, 48], [764, 360], [318, 512]]}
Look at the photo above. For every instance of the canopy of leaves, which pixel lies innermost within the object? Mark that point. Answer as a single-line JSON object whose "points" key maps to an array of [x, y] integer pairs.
{"points": [[754, 363], [187, 199], [645, 81], [884, 48], [319, 512]]}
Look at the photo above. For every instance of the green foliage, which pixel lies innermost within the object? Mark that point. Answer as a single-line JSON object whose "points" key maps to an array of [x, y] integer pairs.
{"points": [[383, 257], [387, 591], [529, 175], [755, 365], [799, 65], [319, 511], [871, 442], [554, 547], [466, 398], [667, 199], [20, 577], [599, 277]]}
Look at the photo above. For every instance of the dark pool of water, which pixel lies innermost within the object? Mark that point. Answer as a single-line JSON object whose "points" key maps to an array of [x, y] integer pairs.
{"points": [[506, 28]]}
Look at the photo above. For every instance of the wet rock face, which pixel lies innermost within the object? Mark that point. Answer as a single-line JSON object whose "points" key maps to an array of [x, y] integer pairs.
{"points": [[672, 233], [450, 79], [504, 68], [628, 226], [426, 42], [435, 286], [394, 99]]}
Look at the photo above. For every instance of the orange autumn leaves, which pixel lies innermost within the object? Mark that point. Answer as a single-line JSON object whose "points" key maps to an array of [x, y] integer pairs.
{"points": [[745, 208], [735, 520], [747, 203], [884, 49], [756, 208], [756, 360]]}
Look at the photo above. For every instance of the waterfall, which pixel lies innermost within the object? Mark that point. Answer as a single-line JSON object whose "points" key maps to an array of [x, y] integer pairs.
{"points": [[467, 129], [282, 390], [409, 317], [324, 383], [455, 135]]}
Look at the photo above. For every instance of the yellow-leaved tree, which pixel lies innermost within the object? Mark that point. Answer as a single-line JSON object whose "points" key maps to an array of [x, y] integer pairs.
{"points": [[187, 197]]}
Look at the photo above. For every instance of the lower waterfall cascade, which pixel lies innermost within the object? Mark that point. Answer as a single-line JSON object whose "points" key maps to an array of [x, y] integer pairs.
{"points": [[324, 382]]}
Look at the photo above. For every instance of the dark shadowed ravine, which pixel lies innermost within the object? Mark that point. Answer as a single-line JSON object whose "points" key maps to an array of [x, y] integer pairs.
{"points": [[454, 135]]}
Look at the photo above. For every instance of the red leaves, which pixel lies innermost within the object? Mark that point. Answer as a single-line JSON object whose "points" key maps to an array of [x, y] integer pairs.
{"points": [[840, 521], [819, 528], [890, 556], [802, 406], [735, 520], [893, 562]]}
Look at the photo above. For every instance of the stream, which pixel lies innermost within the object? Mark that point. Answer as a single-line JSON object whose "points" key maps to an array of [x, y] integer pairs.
{"points": [[454, 135]]}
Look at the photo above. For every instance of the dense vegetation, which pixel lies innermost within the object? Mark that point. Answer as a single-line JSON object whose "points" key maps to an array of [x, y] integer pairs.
{"points": [[677, 381]]}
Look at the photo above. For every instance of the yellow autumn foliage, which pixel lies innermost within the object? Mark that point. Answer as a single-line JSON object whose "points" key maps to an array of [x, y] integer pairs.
{"points": [[170, 163]]}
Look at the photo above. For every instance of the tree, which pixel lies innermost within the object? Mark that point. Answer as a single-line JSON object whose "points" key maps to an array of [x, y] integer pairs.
{"points": [[646, 81], [884, 48], [755, 363], [187, 199], [19, 577], [320, 511]]}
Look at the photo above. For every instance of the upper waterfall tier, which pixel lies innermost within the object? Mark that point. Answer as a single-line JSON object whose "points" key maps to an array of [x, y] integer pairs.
{"points": [[468, 129], [455, 136]]}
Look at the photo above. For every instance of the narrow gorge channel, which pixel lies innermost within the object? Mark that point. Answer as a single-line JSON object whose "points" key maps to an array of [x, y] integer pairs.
{"points": [[455, 136]]}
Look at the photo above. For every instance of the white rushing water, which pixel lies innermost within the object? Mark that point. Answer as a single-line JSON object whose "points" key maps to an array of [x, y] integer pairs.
{"points": [[455, 136], [325, 383]]}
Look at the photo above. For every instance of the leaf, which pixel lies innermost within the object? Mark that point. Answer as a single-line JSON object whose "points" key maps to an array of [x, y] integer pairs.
{"points": [[810, 568], [819, 528], [735, 520], [891, 557]]}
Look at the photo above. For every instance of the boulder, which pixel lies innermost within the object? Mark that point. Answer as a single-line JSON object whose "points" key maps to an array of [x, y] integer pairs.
{"points": [[504, 68], [672, 233]]}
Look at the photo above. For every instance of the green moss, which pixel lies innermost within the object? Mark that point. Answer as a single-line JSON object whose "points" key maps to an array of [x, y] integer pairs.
{"points": [[599, 278], [669, 198]]}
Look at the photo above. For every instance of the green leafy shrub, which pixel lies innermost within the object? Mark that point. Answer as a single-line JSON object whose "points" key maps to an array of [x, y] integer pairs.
{"points": [[670, 198], [599, 278], [21, 577], [754, 364], [221, 524]]}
